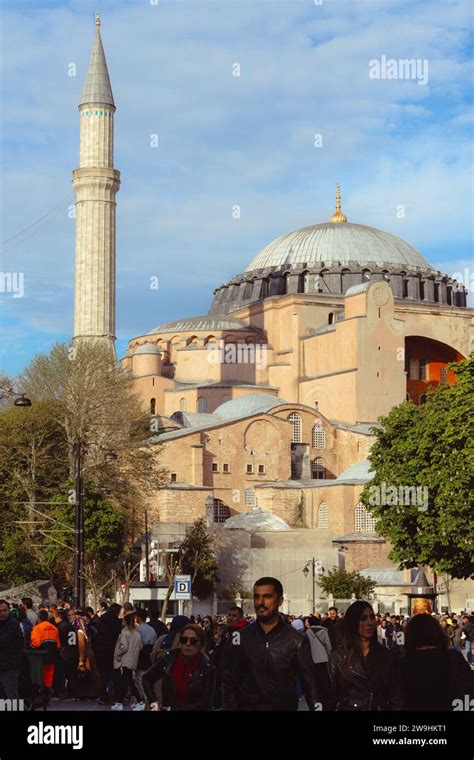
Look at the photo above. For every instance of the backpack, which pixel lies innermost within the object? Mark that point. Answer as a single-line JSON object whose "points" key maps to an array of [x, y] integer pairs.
{"points": [[320, 644]]}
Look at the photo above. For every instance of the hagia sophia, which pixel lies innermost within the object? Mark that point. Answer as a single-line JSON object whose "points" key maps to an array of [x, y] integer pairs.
{"points": [[328, 327]]}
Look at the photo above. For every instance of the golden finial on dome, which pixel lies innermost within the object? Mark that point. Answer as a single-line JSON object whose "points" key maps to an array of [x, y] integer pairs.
{"points": [[338, 216]]}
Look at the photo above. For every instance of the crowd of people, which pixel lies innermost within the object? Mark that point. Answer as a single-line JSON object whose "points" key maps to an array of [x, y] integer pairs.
{"points": [[125, 656]]}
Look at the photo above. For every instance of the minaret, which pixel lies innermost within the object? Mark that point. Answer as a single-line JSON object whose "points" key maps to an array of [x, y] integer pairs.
{"points": [[95, 183]]}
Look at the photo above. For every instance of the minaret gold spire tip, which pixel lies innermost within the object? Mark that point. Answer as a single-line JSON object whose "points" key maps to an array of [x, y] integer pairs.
{"points": [[97, 20], [338, 217]]}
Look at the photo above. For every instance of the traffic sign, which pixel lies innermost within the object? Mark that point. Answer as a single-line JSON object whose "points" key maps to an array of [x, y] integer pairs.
{"points": [[182, 587]]}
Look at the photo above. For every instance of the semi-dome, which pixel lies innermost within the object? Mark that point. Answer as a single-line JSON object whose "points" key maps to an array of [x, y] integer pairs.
{"points": [[340, 244], [147, 348], [256, 519], [245, 406], [205, 323]]}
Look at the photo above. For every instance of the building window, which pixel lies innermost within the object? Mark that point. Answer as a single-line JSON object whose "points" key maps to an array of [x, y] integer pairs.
{"points": [[250, 469], [183, 405], [364, 522], [225, 399], [444, 375], [323, 515], [202, 404], [261, 469], [215, 467], [221, 512], [174, 477], [423, 398], [422, 290], [318, 469], [225, 467], [250, 497], [436, 292], [316, 405], [423, 373], [295, 420], [153, 406], [365, 275], [404, 288], [331, 319], [318, 437]]}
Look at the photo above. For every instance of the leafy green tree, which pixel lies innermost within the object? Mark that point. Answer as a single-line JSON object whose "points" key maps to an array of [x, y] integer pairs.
{"points": [[430, 447], [104, 533], [198, 559], [33, 453], [341, 584]]}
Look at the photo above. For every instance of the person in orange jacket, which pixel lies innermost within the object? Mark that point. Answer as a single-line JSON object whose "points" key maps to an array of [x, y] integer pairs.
{"points": [[45, 636]]}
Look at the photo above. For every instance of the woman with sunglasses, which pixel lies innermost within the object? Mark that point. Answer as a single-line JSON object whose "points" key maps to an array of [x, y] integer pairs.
{"points": [[364, 674], [188, 678]]}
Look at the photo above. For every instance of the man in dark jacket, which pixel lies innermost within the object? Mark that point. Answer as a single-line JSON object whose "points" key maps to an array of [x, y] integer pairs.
{"points": [[265, 658], [333, 626], [11, 645], [108, 628]]}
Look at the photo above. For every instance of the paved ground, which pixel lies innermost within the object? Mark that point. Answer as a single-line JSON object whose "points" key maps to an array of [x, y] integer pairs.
{"points": [[71, 705]]}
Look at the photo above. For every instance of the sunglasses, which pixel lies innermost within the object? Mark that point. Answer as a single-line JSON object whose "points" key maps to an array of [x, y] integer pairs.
{"points": [[189, 640], [368, 617]]}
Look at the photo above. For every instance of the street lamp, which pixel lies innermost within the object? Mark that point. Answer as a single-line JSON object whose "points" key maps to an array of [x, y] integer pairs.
{"points": [[317, 569], [79, 580], [22, 400]]}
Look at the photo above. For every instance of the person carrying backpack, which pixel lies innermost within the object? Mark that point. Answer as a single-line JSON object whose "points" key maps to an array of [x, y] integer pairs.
{"points": [[320, 644]]}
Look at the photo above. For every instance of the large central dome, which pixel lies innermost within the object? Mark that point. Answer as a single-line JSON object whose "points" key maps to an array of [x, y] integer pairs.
{"points": [[336, 243], [329, 259]]}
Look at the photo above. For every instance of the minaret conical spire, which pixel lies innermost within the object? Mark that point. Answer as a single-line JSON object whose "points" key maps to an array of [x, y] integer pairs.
{"points": [[97, 87]]}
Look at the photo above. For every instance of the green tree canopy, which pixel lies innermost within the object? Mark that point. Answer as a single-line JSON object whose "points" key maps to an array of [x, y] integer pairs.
{"points": [[430, 447], [198, 559], [341, 584]]}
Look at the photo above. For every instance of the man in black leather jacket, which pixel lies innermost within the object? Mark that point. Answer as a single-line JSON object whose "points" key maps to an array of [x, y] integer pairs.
{"points": [[264, 659]]}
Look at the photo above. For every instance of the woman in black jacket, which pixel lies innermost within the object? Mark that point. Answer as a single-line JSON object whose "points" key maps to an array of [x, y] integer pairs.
{"points": [[364, 675], [434, 677], [188, 678]]}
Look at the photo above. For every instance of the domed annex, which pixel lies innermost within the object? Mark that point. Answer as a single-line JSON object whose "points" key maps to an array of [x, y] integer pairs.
{"points": [[329, 258]]}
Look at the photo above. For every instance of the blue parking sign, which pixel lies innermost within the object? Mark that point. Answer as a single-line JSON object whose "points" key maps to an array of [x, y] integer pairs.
{"points": [[182, 587]]}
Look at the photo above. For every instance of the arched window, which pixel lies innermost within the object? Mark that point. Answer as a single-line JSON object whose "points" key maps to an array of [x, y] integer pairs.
{"points": [[153, 406], [364, 522], [331, 319], [386, 275], [316, 405], [225, 398], [365, 275], [264, 289], [202, 404], [250, 497], [318, 469], [221, 513], [323, 515], [210, 340], [318, 437], [183, 405], [295, 420], [423, 398], [192, 341]]}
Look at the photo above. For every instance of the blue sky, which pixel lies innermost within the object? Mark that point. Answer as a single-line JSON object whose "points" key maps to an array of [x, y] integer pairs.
{"points": [[226, 140]]}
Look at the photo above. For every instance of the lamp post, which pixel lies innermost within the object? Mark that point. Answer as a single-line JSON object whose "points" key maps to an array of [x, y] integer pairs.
{"points": [[316, 569], [79, 580]]}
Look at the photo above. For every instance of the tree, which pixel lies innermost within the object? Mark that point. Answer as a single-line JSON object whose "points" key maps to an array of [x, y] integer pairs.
{"points": [[33, 453], [104, 529], [430, 447], [342, 584], [198, 559], [98, 407]]}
